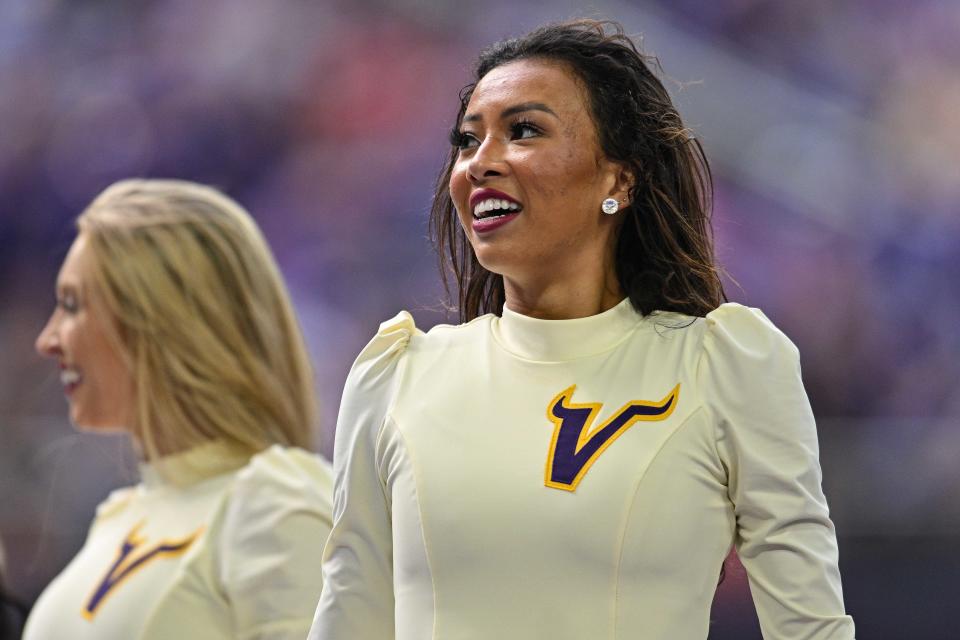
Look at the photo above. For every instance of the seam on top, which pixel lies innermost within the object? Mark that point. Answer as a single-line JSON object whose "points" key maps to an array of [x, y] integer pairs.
{"points": [[402, 365], [423, 530], [402, 357], [445, 326], [401, 370], [707, 335], [378, 460], [626, 520]]}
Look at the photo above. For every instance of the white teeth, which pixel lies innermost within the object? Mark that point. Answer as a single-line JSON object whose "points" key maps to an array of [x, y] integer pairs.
{"points": [[69, 376], [494, 203]]}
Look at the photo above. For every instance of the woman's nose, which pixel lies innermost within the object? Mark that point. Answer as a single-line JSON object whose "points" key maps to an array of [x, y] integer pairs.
{"points": [[48, 342], [487, 162]]}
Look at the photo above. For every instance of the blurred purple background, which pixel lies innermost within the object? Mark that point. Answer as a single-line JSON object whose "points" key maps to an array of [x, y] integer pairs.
{"points": [[833, 127]]}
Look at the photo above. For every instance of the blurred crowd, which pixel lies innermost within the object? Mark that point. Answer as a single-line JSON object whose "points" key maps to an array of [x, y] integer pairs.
{"points": [[836, 213], [890, 255]]}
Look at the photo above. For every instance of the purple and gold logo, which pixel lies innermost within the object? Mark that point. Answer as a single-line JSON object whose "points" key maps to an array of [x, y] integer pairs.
{"points": [[576, 445], [129, 561]]}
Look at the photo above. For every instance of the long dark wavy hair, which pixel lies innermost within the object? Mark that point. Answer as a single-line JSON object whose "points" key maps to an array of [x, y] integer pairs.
{"points": [[664, 248]]}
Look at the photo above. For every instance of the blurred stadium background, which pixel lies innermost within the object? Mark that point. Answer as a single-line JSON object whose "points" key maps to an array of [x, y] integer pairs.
{"points": [[834, 131]]}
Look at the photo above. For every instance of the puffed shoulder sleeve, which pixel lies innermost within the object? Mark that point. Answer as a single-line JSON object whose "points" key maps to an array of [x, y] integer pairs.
{"points": [[357, 600], [766, 437], [278, 516]]}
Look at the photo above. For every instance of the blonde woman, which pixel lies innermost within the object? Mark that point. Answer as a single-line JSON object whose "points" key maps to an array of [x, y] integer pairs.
{"points": [[173, 324]]}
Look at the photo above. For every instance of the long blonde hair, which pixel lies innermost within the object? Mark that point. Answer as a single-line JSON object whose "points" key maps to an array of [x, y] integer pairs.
{"points": [[203, 318]]}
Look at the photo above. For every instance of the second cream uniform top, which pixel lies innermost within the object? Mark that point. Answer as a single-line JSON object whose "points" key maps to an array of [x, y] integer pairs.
{"points": [[206, 547], [516, 478]]}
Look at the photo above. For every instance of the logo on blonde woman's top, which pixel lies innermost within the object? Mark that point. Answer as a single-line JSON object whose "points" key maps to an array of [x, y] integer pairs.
{"points": [[576, 445], [129, 561]]}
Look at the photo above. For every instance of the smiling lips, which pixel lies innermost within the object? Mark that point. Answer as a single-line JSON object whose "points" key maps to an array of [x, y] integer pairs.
{"points": [[70, 379], [492, 209]]}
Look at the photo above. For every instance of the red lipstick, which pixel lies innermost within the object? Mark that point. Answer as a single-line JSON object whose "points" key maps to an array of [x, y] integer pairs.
{"points": [[490, 219], [486, 225], [485, 194]]}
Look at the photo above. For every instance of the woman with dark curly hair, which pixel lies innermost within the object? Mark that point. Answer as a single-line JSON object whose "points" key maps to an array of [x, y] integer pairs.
{"points": [[577, 458]]}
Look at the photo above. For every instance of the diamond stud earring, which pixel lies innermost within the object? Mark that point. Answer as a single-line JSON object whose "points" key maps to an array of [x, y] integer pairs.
{"points": [[610, 206]]}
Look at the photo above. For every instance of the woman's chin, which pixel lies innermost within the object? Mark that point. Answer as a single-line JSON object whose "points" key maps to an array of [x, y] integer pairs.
{"points": [[96, 424], [494, 259]]}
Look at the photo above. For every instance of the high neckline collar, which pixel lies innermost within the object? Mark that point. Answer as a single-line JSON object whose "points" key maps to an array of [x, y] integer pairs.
{"points": [[560, 340], [194, 465]]}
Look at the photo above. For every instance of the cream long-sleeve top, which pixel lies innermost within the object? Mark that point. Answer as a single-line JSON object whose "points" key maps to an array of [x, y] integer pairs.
{"points": [[517, 478], [207, 547]]}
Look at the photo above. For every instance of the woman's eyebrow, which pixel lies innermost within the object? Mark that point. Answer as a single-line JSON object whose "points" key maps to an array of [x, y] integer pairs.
{"points": [[64, 289], [515, 109]]}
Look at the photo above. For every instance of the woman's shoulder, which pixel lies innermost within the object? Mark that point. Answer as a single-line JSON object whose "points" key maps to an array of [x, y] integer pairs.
{"points": [[745, 358], [283, 476], [115, 502], [733, 328], [286, 464], [399, 337], [391, 339], [728, 317], [282, 494], [374, 370], [441, 337], [401, 328], [275, 521]]}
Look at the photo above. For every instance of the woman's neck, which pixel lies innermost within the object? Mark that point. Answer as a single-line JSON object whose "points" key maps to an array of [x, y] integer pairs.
{"points": [[562, 300]]}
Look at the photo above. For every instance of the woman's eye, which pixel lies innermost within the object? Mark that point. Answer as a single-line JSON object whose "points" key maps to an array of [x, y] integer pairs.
{"points": [[462, 140], [68, 303], [521, 130]]}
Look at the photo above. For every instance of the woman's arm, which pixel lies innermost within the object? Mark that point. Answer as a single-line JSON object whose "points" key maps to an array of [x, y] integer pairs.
{"points": [[767, 440], [357, 600]]}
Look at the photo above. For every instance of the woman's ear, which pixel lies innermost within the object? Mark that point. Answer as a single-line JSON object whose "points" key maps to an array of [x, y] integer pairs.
{"points": [[624, 181]]}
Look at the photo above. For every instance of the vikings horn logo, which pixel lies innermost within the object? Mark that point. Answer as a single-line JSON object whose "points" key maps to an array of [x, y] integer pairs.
{"points": [[575, 446], [128, 562]]}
